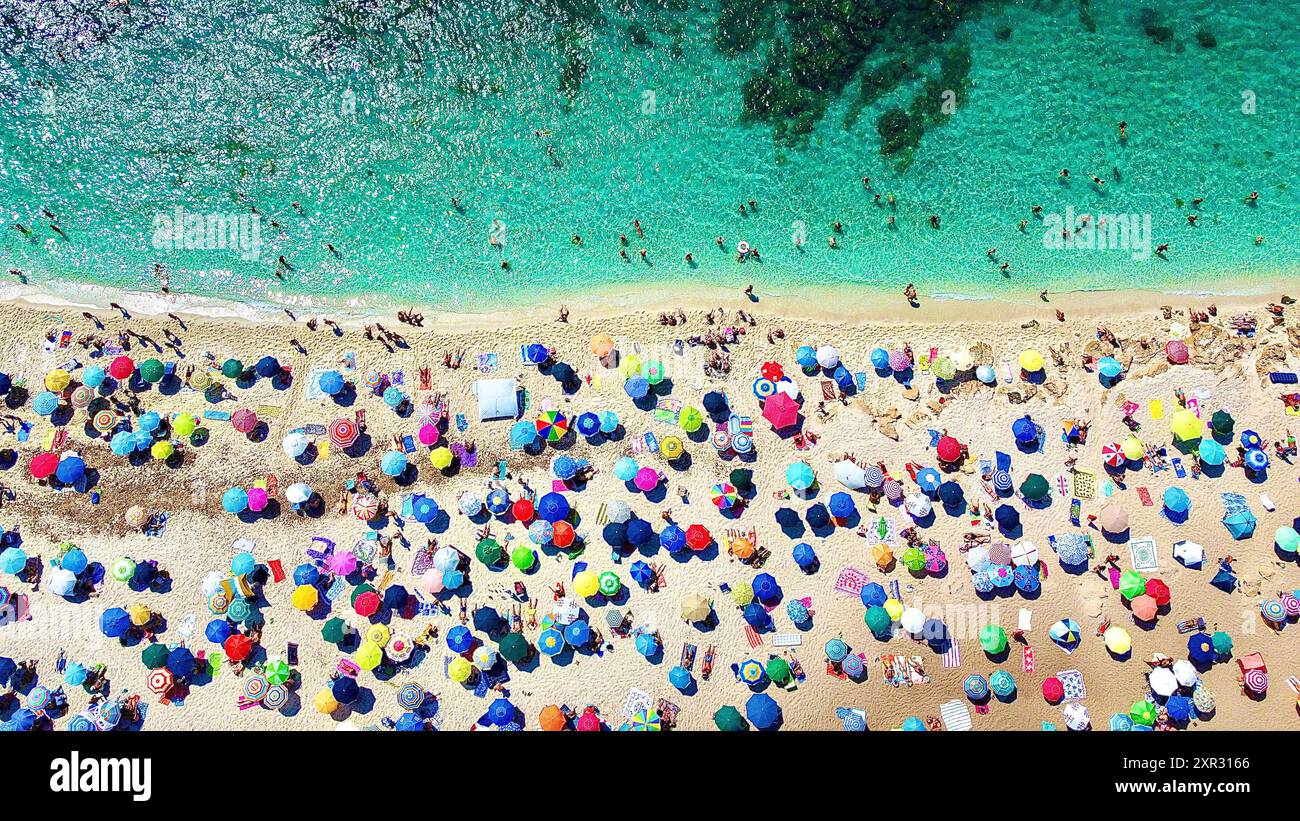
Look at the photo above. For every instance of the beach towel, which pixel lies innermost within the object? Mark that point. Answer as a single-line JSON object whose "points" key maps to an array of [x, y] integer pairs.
{"points": [[952, 656], [1157, 409], [1283, 378], [277, 570], [850, 581], [755, 640], [1145, 496], [955, 715], [1072, 683], [1143, 554], [637, 701], [1027, 660]]}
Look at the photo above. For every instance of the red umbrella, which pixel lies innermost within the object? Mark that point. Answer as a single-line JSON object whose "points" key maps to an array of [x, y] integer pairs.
{"points": [[44, 464], [1113, 454], [781, 410], [367, 604], [1159, 591], [160, 681], [588, 723], [522, 510], [121, 368], [772, 371], [238, 647], [1053, 690], [243, 420], [343, 432], [1176, 350], [562, 534], [698, 537], [949, 449]]}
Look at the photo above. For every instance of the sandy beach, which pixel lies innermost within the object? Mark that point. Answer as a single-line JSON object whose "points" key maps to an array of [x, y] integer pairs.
{"points": [[883, 422]]}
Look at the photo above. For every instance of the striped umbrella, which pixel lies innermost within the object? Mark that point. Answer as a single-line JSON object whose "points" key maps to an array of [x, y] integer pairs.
{"points": [[1273, 611], [1291, 604], [873, 477], [104, 421], [853, 722], [724, 496], [277, 695], [1256, 680], [82, 396], [742, 443], [751, 672], [1112, 454], [893, 490], [935, 559], [160, 681], [410, 697], [82, 723], [1001, 481], [646, 721], [721, 439], [365, 507], [277, 671], [976, 687], [372, 379], [238, 611], [853, 666], [763, 388], [255, 687], [552, 425], [38, 698], [343, 433]]}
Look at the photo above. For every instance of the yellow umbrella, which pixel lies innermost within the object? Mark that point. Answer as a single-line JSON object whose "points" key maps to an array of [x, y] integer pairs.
{"points": [[140, 614], [325, 702], [1118, 641], [57, 379], [894, 608], [962, 360], [696, 608], [1185, 425], [162, 450], [602, 344], [460, 669], [1031, 360], [135, 516], [378, 635], [184, 424], [630, 366], [441, 458], [1132, 448], [586, 584], [369, 655], [670, 447], [742, 548], [742, 594], [882, 555], [304, 597]]}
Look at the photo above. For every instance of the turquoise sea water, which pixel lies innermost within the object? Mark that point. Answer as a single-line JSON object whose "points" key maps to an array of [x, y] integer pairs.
{"points": [[560, 117]]}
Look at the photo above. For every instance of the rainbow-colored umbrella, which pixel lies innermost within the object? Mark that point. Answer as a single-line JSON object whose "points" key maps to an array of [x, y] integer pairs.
{"points": [[552, 425]]}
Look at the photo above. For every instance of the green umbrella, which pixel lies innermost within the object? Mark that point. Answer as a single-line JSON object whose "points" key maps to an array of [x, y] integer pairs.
{"points": [[878, 621], [514, 647], [609, 583], [914, 559], [155, 656], [1132, 584], [993, 639], [1222, 643], [277, 671], [742, 478], [653, 371], [1143, 712], [123, 569], [334, 630], [232, 368], [944, 367], [778, 670], [488, 551], [523, 557], [1034, 488], [690, 419], [151, 370], [1222, 423], [729, 720]]}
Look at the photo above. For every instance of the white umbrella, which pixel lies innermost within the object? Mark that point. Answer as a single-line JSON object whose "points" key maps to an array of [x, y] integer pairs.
{"points": [[1190, 554], [827, 356], [294, 444], [1024, 553], [62, 582], [484, 657], [913, 620], [962, 360], [297, 493], [1185, 673], [1076, 717], [446, 559], [850, 475], [787, 386], [919, 505], [1162, 681], [977, 558], [212, 583], [470, 504], [618, 511]]}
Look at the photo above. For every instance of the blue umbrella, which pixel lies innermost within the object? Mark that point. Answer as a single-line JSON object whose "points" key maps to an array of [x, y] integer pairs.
{"points": [[23, 720], [804, 556], [424, 509], [453, 579], [615, 534], [1002, 574], [217, 631], [912, 724], [235, 500], [715, 404], [143, 575], [331, 383], [75, 674], [13, 560], [114, 622], [797, 612], [636, 387], [142, 440], [181, 662], [928, 479], [1025, 578], [765, 587], [243, 563], [498, 501], [805, 356], [7, 669], [836, 650], [639, 532], [409, 723], [1001, 683], [1200, 648], [122, 444], [1250, 440], [1002, 481], [646, 644], [1211, 452], [393, 463], [608, 421], [1176, 500], [267, 367], [460, 639], [842, 377], [1024, 429], [553, 507], [536, 353], [841, 505], [577, 633], [1008, 517], [976, 687], [487, 620], [93, 377], [45, 403], [641, 573], [150, 421], [588, 424], [873, 595], [672, 538], [950, 494], [345, 690], [1256, 459], [522, 434], [679, 677], [762, 711], [74, 560], [393, 396], [756, 615], [395, 596], [564, 467], [1121, 722], [501, 712], [626, 469], [550, 642], [305, 574], [880, 359], [1180, 708], [818, 516], [70, 469], [1109, 367]]}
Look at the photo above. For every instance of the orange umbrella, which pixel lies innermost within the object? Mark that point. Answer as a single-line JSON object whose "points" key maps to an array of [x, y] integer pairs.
{"points": [[552, 719], [601, 345], [1144, 607]]}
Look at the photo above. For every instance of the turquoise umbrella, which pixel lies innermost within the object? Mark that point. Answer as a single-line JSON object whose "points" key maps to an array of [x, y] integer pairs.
{"points": [[799, 475]]}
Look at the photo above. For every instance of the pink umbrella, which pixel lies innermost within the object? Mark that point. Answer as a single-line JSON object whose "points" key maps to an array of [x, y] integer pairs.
{"points": [[257, 499], [899, 361], [647, 479], [243, 420], [1176, 350], [781, 411], [1144, 607], [428, 434], [430, 582], [342, 563], [935, 559]]}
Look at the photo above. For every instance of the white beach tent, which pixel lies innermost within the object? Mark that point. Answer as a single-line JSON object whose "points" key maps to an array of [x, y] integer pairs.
{"points": [[497, 399]]}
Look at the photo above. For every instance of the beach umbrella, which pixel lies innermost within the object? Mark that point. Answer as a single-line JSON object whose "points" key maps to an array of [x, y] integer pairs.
{"points": [[587, 424], [122, 569], [948, 449], [765, 587], [44, 465], [550, 642], [893, 490], [1024, 429], [608, 421], [267, 367], [331, 383], [1201, 648], [1185, 673], [81, 397], [369, 655], [217, 631], [1065, 633], [1118, 640], [1031, 361], [237, 647], [553, 507], [636, 387], [1176, 351], [799, 475], [986, 374], [836, 650], [878, 621], [1109, 367], [609, 584], [1133, 449], [1222, 423], [646, 644], [914, 559], [976, 687], [806, 356], [1185, 425], [523, 558], [470, 503], [181, 662], [1179, 709], [1132, 584], [690, 419], [698, 537], [1162, 682], [781, 411], [122, 443], [1287, 539], [1025, 577], [45, 403], [1008, 518], [993, 639], [696, 608], [277, 671], [460, 639], [899, 361], [154, 656], [626, 469], [1255, 680], [849, 474], [74, 560], [324, 702], [498, 501], [1256, 459], [804, 555], [152, 371], [928, 479], [670, 447], [827, 356], [70, 469], [762, 711], [729, 720], [1120, 722], [367, 603], [1144, 607], [304, 598], [1273, 611], [140, 614], [104, 421], [577, 633], [873, 594], [1112, 455], [944, 368], [277, 695], [522, 434], [151, 420], [243, 420], [1053, 690], [1203, 700], [841, 505], [230, 369], [1211, 452], [1077, 717], [1159, 591], [365, 506], [1113, 519], [255, 687], [294, 445], [342, 433], [647, 479], [1001, 683], [1035, 487]]}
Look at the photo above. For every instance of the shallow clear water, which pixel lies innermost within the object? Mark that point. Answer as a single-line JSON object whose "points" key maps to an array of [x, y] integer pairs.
{"points": [[374, 116]]}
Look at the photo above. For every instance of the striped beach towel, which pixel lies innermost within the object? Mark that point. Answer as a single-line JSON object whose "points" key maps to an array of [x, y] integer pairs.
{"points": [[755, 640], [952, 656], [955, 715]]}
